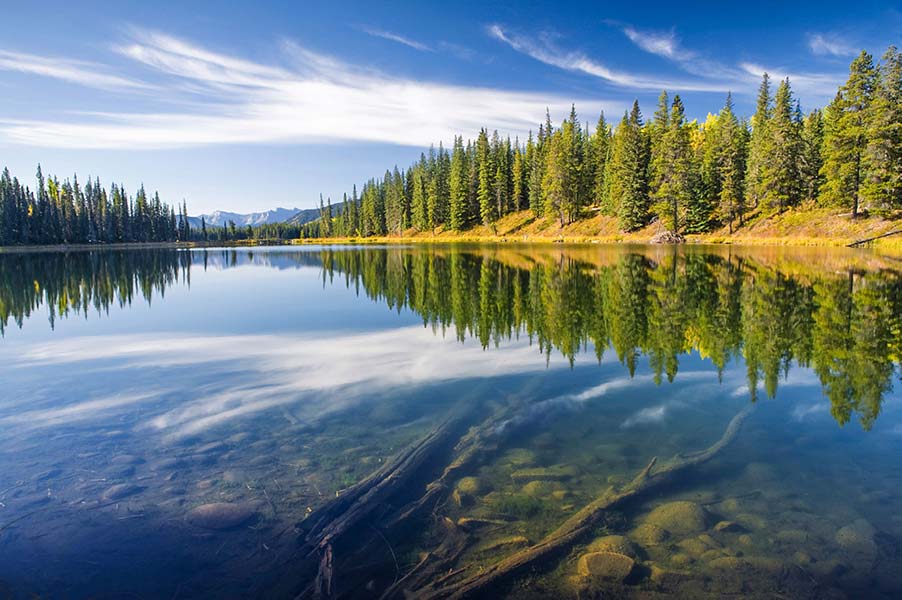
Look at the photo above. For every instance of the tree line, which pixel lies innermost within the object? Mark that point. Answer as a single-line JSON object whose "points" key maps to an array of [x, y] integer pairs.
{"points": [[66, 212], [691, 176]]}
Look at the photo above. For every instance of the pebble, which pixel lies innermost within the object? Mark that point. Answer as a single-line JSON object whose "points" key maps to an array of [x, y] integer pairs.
{"points": [[220, 515], [121, 490]]}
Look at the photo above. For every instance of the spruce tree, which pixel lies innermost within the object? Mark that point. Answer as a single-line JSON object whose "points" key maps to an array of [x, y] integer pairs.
{"points": [[780, 181], [759, 144], [846, 136], [883, 156]]}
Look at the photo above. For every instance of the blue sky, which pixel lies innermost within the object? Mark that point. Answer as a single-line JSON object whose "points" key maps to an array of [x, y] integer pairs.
{"points": [[247, 107]]}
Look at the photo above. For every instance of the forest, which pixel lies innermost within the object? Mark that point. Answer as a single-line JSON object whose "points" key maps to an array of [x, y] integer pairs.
{"points": [[67, 213], [693, 177]]}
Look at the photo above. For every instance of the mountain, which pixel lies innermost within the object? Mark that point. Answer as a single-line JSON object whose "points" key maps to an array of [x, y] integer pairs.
{"points": [[221, 218], [311, 214]]}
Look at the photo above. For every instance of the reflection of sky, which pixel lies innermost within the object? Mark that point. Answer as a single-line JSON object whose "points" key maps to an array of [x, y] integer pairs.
{"points": [[269, 333], [216, 378]]}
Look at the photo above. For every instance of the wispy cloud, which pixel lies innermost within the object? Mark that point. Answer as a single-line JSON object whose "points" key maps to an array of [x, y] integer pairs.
{"points": [[73, 71], [309, 98], [544, 50], [817, 85], [666, 44], [823, 44], [394, 37], [663, 44]]}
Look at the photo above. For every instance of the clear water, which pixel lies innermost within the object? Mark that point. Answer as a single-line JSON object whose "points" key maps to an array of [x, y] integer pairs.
{"points": [[140, 385]]}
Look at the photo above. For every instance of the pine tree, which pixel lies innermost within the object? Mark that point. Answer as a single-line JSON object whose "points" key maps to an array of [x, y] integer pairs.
{"points": [[882, 186], [812, 154], [673, 170], [759, 144], [600, 148], [846, 136], [486, 176], [459, 217], [626, 176], [780, 179]]}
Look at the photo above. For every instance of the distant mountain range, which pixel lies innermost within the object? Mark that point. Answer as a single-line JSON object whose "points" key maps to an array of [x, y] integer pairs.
{"points": [[296, 216]]}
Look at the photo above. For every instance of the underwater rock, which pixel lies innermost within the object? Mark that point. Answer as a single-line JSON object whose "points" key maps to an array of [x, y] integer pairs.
{"points": [[857, 539], [618, 544], [220, 515], [121, 490], [792, 536], [538, 488], [554, 473], [748, 565], [469, 485], [696, 547], [519, 457], [679, 518], [678, 559], [560, 494], [750, 521], [649, 535], [731, 506], [234, 476], [728, 527], [745, 539], [611, 566]]}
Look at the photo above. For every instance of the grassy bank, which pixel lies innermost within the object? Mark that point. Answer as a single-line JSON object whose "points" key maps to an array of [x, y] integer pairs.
{"points": [[804, 226]]}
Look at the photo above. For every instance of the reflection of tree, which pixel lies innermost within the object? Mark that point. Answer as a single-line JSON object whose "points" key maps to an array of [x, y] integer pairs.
{"points": [[853, 340], [847, 327], [75, 283], [719, 306]]}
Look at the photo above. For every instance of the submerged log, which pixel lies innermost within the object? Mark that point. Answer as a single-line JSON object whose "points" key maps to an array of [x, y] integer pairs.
{"points": [[582, 522]]}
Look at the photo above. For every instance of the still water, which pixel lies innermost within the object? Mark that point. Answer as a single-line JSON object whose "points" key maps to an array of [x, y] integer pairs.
{"points": [[445, 421]]}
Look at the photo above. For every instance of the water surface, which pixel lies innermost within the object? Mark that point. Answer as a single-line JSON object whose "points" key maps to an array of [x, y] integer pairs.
{"points": [[140, 385]]}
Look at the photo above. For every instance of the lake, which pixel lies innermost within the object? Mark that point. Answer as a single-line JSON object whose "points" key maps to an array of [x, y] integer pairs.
{"points": [[450, 420]]}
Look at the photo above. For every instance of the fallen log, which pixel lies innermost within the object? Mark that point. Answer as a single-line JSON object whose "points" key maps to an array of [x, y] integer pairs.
{"points": [[582, 522]]}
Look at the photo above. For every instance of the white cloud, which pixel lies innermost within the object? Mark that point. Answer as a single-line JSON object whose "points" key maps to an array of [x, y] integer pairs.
{"points": [[312, 99], [662, 44], [822, 44], [394, 37], [808, 86], [545, 51], [73, 71]]}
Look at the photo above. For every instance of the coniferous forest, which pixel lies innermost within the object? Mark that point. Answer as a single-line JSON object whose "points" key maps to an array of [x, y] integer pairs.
{"points": [[691, 176], [65, 212]]}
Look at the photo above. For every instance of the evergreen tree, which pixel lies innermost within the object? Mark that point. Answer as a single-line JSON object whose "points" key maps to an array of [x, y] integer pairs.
{"points": [[846, 136], [780, 181], [759, 144], [882, 186]]}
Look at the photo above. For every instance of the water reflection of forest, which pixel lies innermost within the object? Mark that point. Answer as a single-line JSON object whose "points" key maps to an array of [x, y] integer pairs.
{"points": [[839, 313]]}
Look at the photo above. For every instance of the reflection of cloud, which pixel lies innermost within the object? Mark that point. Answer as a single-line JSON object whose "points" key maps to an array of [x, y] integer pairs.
{"points": [[803, 412], [569, 401], [50, 417], [237, 376], [652, 414]]}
